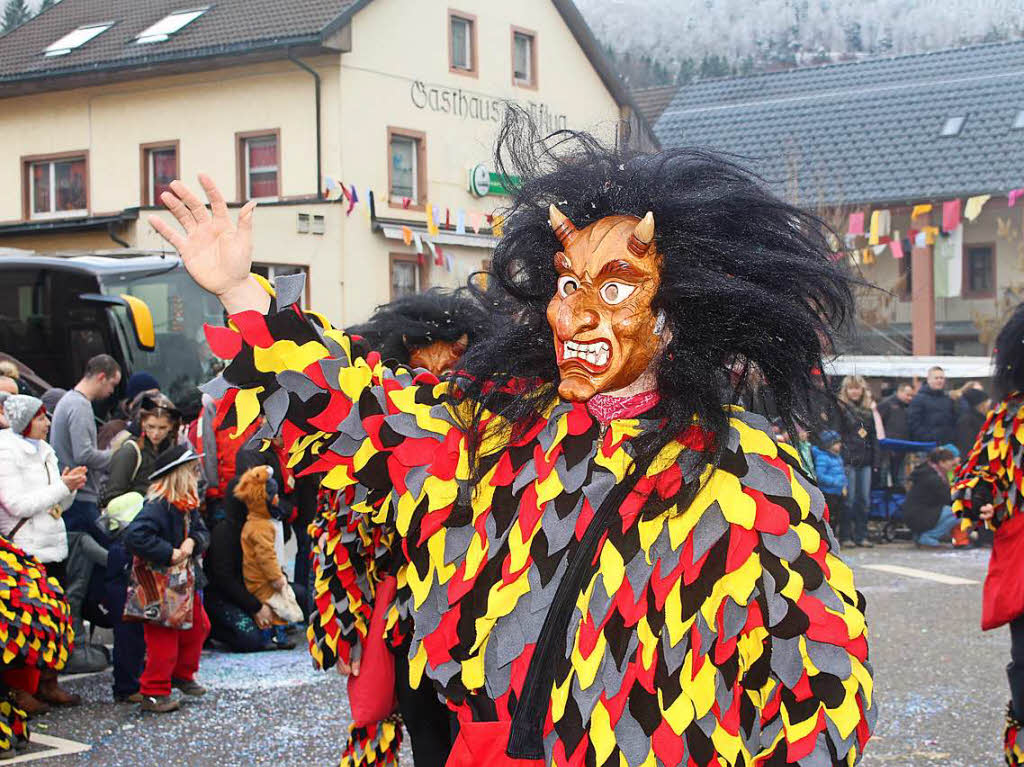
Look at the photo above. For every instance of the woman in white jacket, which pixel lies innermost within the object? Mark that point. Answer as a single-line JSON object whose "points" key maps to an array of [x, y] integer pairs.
{"points": [[33, 495]]}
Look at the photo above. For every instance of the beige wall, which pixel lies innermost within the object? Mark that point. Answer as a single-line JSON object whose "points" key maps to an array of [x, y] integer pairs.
{"points": [[398, 47]]}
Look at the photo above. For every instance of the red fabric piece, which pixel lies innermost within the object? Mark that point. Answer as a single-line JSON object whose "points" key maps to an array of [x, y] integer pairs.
{"points": [[950, 215], [482, 744], [253, 327], [1003, 595], [371, 694], [171, 653], [607, 409], [224, 342], [227, 450]]}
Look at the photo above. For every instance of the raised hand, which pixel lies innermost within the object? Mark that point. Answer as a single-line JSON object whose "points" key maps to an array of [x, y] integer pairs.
{"points": [[216, 251]]}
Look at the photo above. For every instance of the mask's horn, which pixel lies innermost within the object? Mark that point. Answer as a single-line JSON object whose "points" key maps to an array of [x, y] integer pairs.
{"points": [[563, 228], [642, 237]]}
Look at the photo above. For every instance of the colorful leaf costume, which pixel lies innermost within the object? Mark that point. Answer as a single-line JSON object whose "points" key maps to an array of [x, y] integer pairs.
{"points": [[722, 632]]}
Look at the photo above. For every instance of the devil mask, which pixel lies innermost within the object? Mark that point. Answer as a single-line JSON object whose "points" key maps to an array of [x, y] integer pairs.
{"points": [[607, 339]]}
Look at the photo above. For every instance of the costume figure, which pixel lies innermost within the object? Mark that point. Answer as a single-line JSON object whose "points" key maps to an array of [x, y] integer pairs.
{"points": [[987, 490], [607, 566], [353, 557]]}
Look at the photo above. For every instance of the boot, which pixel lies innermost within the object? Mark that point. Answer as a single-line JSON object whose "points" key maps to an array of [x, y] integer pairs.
{"points": [[52, 693], [28, 703], [1013, 739]]}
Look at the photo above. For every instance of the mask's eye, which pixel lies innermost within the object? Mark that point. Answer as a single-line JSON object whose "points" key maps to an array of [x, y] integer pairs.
{"points": [[567, 285], [616, 292]]}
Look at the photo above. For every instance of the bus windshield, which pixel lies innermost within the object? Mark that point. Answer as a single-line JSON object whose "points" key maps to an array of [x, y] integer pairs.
{"points": [[181, 360]]}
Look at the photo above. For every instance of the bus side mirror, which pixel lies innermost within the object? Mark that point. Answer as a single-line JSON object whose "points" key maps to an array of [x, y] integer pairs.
{"points": [[138, 312], [142, 322]]}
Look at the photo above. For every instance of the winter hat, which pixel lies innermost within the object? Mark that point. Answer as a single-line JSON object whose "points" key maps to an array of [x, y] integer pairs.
{"points": [[829, 438], [951, 448], [51, 397], [20, 409], [170, 459], [138, 383], [975, 397]]}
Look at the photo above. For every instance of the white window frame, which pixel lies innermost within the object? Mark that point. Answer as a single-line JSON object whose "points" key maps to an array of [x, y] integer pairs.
{"points": [[171, 24], [151, 169], [468, 48], [417, 285], [76, 38], [52, 213], [529, 79], [414, 143], [262, 169]]}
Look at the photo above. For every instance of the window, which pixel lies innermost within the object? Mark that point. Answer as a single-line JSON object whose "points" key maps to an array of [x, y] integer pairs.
{"points": [[159, 169], [57, 186], [302, 223], [524, 57], [407, 171], [405, 275], [259, 165], [76, 39], [273, 271], [979, 271], [168, 25], [318, 225], [1018, 121], [953, 125], [461, 43]]}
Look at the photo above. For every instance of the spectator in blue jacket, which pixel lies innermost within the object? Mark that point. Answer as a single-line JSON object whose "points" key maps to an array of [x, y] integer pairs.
{"points": [[831, 474]]}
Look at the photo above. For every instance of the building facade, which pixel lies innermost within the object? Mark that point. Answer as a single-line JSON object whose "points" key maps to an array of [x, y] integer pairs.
{"points": [[364, 129]]}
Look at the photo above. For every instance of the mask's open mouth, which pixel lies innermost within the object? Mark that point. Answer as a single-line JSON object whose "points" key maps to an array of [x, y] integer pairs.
{"points": [[592, 356]]}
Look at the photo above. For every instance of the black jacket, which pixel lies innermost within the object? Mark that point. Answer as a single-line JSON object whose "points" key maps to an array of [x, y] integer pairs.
{"points": [[159, 529], [123, 476], [894, 417], [967, 427], [224, 560], [932, 417], [857, 429], [927, 495]]}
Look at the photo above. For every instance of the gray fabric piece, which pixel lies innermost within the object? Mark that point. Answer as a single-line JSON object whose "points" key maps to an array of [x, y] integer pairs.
{"points": [[298, 384], [331, 369], [526, 475], [586, 699], [289, 289], [414, 479], [506, 642], [275, 408], [842, 745], [216, 387], [456, 543], [673, 656], [734, 618], [631, 739], [707, 634], [787, 663], [820, 756], [777, 606], [765, 478], [830, 659], [405, 425], [707, 724], [345, 445], [352, 425], [559, 532], [828, 597], [597, 489], [541, 598], [786, 546], [708, 531], [639, 574], [572, 479]]}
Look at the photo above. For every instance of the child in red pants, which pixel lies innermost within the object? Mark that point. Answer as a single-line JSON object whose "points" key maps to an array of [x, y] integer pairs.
{"points": [[170, 531]]}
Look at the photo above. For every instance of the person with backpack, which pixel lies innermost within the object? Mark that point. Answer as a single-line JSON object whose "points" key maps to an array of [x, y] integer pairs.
{"points": [[130, 468]]}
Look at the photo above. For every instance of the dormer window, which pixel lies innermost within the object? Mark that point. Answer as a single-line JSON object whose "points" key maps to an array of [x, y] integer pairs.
{"points": [[76, 39], [168, 25], [953, 125]]}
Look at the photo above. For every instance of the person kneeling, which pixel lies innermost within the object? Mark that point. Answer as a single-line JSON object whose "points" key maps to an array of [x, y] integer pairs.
{"points": [[927, 510], [165, 538]]}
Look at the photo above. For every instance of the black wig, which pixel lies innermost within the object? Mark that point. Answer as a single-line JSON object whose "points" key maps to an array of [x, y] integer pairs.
{"points": [[744, 276], [415, 321], [1009, 356]]}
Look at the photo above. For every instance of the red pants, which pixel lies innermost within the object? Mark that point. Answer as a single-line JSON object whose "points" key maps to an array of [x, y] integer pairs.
{"points": [[26, 679], [172, 653]]}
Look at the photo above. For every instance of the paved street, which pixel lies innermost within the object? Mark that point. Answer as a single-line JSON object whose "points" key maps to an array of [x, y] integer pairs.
{"points": [[940, 684]]}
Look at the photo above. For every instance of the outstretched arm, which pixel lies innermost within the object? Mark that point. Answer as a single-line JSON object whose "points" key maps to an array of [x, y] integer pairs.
{"points": [[986, 474]]}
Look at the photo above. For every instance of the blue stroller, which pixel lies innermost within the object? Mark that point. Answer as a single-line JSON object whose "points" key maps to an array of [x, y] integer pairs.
{"points": [[887, 501]]}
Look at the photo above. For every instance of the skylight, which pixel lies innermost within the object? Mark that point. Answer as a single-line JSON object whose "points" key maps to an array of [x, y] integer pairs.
{"points": [[953, 125], [168, 25], [1018, 122], [76, 39]]}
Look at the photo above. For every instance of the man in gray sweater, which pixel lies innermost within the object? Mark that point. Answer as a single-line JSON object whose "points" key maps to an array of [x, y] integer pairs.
{"points": [[73, 437]]}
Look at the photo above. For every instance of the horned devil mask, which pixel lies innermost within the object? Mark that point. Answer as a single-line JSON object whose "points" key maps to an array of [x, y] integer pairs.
{"points": [[606, 335]]}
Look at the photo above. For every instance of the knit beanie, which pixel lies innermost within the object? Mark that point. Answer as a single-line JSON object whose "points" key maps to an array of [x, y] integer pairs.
{"points": [[138, 383], [20, 409]]}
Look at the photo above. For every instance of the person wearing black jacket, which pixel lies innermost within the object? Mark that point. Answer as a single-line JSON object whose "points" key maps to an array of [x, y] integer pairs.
{"points": [[856, 418], [893, 410], [928, 510], [931, 416], [976, 404]]}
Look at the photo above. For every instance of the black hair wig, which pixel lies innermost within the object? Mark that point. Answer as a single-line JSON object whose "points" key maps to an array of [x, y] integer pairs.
{"points": [[1009, 356], [415, 321], [744, 276]]}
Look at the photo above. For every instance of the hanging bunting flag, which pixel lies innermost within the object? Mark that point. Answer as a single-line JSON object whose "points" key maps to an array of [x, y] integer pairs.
{"points": [[950, 215], [369, 204], [447, 218], [438, 256], [436, 210], [406, 235], [406, 202], [920, 210], [1014, 196], [497, 224], [867, 256], [353, 198], [332, 189], [881, 221], [948, 264], [475, 218], [432, 229], [974, 205], [921, 240], [419, 242], [897, 247], [879, 249], [930, 233], [856, 224], [449, 263], [460, 222]]}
